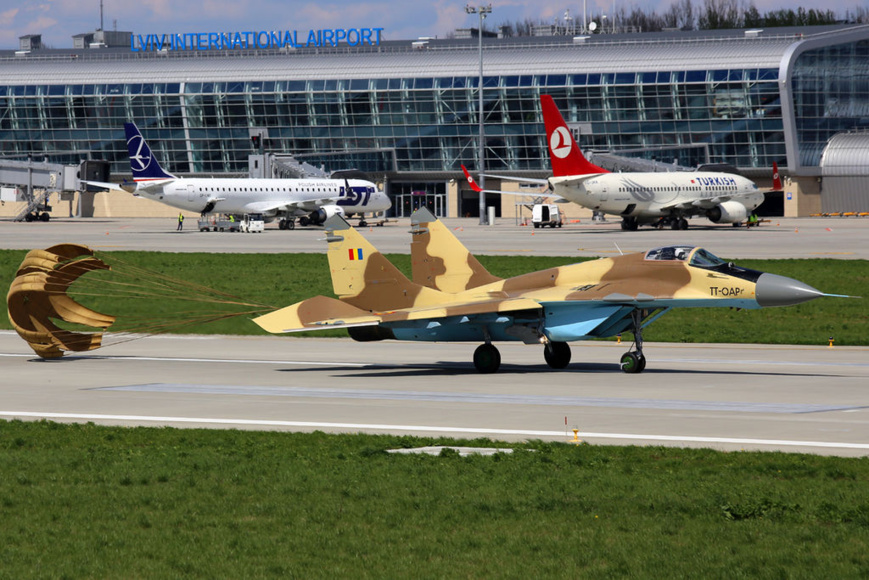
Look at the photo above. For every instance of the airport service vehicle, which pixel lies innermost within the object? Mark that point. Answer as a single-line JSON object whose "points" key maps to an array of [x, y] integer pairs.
{"points": [[546, 214]]}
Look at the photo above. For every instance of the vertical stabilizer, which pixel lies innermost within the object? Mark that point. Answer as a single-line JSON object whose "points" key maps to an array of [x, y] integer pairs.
{"points": [[564, 153], [776, 179], [364, 278], [142, 162], [439, 260]]}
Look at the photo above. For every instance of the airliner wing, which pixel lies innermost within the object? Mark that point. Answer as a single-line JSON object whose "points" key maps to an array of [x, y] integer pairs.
{"points": [[131, 187], [479, 189], [288, 205], [102, 184], [518, 179]]}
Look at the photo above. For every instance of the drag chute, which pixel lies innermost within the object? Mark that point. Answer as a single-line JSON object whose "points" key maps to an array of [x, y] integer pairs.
{"points": [[44, 308], [38, 297]]}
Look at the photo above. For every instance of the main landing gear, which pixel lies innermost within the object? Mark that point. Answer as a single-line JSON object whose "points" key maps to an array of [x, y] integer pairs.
{"points": [[633, 362], [287, 224], [557, 354], [487, 359]]}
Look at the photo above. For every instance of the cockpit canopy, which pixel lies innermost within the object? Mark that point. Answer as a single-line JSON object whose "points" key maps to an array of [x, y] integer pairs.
{"points": [[695, 256]]}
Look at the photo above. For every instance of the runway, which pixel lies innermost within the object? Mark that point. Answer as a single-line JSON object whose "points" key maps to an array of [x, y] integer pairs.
{"points": [[729, 397], [838, 238]]}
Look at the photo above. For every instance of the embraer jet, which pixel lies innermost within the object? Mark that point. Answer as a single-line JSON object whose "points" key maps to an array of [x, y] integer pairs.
{"points": [[313, 201], [641, 198]]}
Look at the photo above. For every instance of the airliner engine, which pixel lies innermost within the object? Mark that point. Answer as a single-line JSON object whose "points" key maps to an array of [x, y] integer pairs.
{"points": [[324, 213], [728, 212]]}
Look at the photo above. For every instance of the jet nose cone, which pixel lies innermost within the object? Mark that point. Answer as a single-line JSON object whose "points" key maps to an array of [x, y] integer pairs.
{"points": [[774, 290]]}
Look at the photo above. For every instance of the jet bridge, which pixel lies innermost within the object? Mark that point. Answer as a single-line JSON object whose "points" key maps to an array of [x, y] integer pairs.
{"points": [[33, 182]]}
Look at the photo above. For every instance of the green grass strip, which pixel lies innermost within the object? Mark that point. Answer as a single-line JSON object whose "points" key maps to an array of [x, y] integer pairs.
{"points": [[81, 501]]}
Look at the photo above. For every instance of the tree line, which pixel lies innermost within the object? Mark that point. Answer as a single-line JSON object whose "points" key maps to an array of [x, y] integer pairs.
{"points": [[690, 15]]}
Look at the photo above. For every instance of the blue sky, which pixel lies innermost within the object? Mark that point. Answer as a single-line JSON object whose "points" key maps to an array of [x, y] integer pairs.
{"points": [[59, 20]]}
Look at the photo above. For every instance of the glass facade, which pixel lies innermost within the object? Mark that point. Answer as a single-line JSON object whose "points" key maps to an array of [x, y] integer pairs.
{"points": [[830, 88], [406, 128]]}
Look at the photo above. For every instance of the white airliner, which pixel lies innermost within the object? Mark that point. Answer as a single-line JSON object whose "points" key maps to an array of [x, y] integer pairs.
{"points": [[313, 201], [639, 198]]}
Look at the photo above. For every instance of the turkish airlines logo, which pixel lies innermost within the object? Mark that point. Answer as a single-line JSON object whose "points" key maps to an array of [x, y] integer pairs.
{"points": [[560, 143], [144, 160]]}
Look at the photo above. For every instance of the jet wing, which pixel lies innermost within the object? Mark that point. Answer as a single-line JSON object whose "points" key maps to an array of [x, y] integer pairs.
{"points": [[323, 312]]}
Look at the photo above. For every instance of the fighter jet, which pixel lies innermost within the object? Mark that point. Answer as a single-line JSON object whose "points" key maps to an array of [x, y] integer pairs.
{"points": [[453, 298]]}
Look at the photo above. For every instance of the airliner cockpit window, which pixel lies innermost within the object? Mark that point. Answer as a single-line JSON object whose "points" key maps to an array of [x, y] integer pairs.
{"points": [[669, 253]]}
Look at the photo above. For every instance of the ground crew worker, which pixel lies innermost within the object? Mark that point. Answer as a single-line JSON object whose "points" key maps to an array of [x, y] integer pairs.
{"points": [[180, 222], [752, 220]]}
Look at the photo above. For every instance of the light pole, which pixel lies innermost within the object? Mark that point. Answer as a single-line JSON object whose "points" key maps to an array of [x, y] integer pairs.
{"points": [[482, 11]]}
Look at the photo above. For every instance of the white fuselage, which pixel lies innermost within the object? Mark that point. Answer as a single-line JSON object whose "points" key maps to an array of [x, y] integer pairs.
{"points": [[270, 197], [649, 196]]}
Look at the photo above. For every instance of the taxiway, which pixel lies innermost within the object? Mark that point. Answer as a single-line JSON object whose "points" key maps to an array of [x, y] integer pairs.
{"points": [[729, 397]]}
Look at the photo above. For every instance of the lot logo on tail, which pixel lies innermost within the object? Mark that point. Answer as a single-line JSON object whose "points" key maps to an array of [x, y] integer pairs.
{"points": [[560, 142], [355, 254], [142, 155]]}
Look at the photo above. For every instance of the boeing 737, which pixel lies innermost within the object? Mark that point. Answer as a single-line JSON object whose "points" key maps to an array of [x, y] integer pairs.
{"points": [[640, 198], [313, 201]]}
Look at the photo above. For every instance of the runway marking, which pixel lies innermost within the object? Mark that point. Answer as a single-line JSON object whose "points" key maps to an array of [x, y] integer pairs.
{"points": [[338, 364], [488, 399], [585, 435]]}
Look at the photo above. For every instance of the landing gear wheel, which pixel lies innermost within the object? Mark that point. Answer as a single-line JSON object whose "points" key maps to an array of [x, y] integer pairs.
{"points": [[487, 359], [291, 224], [363, 223], [674, 225], [282, 225], [630, 224], [633, 362], [557, 354], [683, 224]]}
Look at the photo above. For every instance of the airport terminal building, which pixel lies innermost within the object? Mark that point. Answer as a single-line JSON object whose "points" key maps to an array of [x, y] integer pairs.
{"points": [[406, 112]]}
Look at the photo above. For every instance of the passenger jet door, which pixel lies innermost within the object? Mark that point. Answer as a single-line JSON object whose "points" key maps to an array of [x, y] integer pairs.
{"points": [[191, 190]]}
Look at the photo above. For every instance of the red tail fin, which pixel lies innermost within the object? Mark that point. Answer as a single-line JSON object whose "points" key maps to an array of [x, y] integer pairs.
{"points": [[471, 181], [776, 180], [564, 153]]}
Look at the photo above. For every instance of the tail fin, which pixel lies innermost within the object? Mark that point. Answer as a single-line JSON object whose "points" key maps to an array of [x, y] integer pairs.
{"points": [[776, 180], [471, 181], [439, 260], [142, 162], [564, 153], [364, 278]]}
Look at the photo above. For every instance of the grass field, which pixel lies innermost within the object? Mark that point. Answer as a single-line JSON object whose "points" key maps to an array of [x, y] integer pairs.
{"points": [[282, 279], [86, 501]]}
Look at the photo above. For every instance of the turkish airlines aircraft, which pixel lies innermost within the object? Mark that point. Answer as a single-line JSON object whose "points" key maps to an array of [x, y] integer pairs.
{"points": [[313, 201], [641, 198]]}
